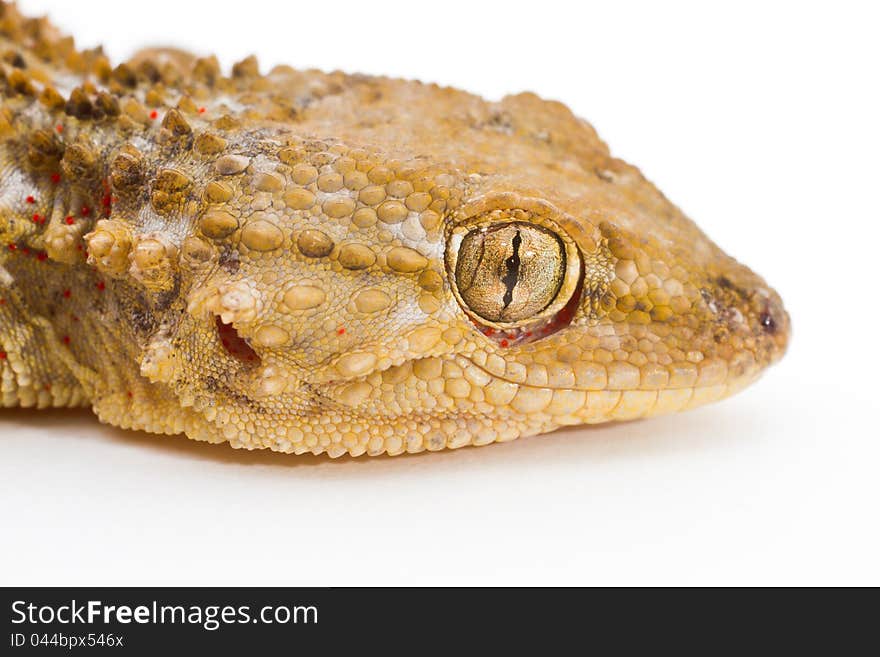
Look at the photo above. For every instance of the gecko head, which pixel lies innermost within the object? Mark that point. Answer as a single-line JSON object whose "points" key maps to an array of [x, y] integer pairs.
{"points": [[618, 319], [489, 271], [330, 298]]}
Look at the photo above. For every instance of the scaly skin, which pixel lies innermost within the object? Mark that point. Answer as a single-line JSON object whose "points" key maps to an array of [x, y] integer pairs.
{"points": [[335, 263]]}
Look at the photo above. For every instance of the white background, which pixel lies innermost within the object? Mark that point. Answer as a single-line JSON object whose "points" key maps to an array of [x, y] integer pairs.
{"points": [[760, 120]]}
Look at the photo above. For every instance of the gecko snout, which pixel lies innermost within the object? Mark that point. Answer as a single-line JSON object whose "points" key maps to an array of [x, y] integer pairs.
{"points": [[774, 324], [747, 318]]}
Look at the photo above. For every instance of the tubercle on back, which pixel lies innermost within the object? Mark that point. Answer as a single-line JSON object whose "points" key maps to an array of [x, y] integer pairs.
{"points": [[94, 154]]}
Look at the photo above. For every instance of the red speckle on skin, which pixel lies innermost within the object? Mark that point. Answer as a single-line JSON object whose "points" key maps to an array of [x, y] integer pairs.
{"points": [[12, 247], [38, 219], [202, 110], [30, 199], [25, 250], [2, 355], [47, 387], [154, 114], [129, 393], [106, 201], [74, 318], [504, 343], [85, 210], [59, 128], [488, 331], [69, 221], [101, 285], [42, 256], [2, 302], [528, 334], [340, 330], [66, 339], [55, 178], [66, 294]]}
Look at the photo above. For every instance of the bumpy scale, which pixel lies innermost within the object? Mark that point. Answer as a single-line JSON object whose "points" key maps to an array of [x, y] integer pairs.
{"points": [[332, 263]]}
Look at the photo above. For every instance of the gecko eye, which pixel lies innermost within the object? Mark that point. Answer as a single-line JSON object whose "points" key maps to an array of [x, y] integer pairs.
{"points": [[509, 272], [512, 273]]}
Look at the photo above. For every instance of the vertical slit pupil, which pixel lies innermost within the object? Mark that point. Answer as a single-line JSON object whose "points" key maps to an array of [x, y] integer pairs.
{"points": [[512, 275]]}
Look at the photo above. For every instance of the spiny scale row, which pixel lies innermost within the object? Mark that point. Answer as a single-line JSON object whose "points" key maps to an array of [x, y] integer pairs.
{"points": [[42, 40]]}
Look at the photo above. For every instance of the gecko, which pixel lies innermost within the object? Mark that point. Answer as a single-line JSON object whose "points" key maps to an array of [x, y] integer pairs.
{"points": [[335, 264]]}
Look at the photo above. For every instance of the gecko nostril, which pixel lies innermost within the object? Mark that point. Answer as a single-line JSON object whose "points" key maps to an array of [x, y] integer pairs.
{"points": [[768, 322], [773, 318]]}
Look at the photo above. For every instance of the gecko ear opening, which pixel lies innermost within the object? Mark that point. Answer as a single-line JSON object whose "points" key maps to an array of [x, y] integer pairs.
{"points": [[235, 345]]}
